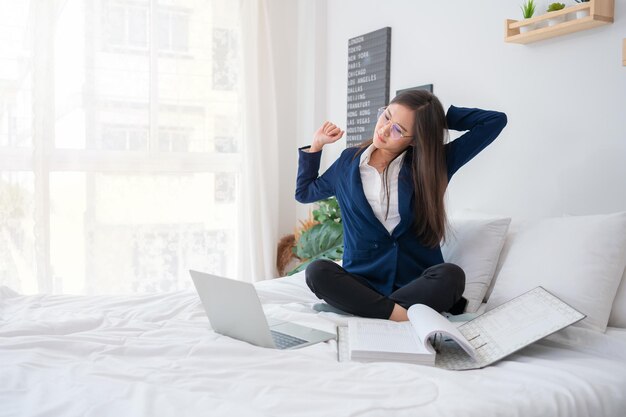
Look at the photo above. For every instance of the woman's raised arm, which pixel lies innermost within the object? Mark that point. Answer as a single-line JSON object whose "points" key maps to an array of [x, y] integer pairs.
{"points": [[484, 127], [311, 187]]}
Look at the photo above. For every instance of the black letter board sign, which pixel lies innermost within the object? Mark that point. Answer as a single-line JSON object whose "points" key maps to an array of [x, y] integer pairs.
{"points": [[368, 83]]}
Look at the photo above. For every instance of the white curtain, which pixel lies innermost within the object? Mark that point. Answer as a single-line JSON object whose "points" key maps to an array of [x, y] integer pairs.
{"points": [[259, 188], [121, 144]]}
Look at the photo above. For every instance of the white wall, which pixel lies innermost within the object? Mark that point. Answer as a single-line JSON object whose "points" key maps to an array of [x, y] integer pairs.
{"points": [[564, 148], [282, 15], [299, 46]]}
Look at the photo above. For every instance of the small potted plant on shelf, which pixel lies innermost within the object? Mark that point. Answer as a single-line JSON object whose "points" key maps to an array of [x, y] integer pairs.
{"points": [[528, 9], [553, 7], [582, 13]]}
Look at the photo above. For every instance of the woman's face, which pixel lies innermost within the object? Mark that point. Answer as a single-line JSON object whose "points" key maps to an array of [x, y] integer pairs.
{"points": [[394, 130]]}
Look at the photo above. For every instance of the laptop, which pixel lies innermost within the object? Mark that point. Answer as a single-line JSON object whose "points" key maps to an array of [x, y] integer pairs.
{"points": [[234, 309]]}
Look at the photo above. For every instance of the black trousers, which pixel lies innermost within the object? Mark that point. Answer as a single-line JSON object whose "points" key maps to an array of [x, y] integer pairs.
{"points": [[439, 287]]}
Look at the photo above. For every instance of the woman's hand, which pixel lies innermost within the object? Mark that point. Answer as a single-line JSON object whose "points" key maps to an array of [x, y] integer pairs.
{"points": [[328, 133]]}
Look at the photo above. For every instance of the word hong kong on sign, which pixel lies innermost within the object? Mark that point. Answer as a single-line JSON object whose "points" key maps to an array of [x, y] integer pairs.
{"points": [[368, 83]]}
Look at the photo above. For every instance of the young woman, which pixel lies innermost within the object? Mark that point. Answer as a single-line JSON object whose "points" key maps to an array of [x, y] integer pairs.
{"points": [[391, 194]]}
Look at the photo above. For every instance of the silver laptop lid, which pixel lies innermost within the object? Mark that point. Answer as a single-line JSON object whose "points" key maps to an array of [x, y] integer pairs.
{"points": [[233, 308]]}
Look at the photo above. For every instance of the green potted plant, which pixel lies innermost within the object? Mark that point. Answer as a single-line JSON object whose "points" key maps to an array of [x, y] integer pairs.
{"points": [[528, 9], [582, 13], [321, 237], [553, 7]]}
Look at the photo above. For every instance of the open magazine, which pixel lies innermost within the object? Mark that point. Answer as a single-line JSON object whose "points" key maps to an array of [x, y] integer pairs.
{"points": [[429, 338]]}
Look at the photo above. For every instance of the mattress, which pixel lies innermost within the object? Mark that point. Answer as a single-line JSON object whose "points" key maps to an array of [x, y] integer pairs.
{"points": [[156, 355]]}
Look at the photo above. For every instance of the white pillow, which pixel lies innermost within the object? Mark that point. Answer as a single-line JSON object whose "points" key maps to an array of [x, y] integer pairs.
{"points": [[580, 259], [474, 245], [618, 312]]}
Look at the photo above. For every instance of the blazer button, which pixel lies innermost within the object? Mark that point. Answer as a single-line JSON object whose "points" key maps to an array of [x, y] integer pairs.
{"points": [[375, 245], [395, 243]]}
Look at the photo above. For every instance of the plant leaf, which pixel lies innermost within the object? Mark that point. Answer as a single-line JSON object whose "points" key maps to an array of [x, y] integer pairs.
{"points": [[322, 241]]}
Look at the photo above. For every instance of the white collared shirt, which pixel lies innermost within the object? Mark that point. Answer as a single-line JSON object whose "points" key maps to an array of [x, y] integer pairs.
{"points": [[374, 189]]}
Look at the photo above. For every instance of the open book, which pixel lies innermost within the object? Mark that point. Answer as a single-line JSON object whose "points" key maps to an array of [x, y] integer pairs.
{"points": [[429, 338]]}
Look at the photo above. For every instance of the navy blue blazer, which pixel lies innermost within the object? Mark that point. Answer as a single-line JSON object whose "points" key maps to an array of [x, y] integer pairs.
{"points": [[390, 261]]}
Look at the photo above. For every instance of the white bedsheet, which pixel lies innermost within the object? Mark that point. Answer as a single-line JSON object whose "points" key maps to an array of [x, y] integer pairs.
{"points": [[155, 355]]}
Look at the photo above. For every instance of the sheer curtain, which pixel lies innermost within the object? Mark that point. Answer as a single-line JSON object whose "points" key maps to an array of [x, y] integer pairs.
{"points": [[122, 148], [259, 188]]}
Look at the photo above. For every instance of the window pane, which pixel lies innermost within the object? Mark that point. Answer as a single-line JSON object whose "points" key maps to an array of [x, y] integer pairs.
{"points": [[226, 130], [225, 70], [163, 30], [113, 139], [69, 232], [165, 143], [138, 139], [15, 75], [138, 27], [225, 187], [225, 144], [98, 88], [139, 233], [115, 25], [17, 241], [180, 32], [187, 99], [180, 142]]}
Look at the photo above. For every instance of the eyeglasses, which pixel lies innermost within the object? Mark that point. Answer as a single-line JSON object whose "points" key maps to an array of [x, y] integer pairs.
{"points": [[396, 132]]}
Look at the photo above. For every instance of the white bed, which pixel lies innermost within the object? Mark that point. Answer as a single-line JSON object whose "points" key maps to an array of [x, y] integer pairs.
{"points": [[155, 355]]}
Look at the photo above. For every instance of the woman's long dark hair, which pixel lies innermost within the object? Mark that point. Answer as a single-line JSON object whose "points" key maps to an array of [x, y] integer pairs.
{"points": [[428, 167]]}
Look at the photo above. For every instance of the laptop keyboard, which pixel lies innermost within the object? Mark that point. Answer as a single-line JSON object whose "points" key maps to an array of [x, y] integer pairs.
{"points": [[284, 341]]}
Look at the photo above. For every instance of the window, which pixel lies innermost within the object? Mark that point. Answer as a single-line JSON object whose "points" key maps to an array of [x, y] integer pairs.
{"points": [[225, 144], [124, 138], [224, 43], [17, 239], [126, 25], [111, 179], [225, 187], [174, 139], [225, 133], [173, 30]]}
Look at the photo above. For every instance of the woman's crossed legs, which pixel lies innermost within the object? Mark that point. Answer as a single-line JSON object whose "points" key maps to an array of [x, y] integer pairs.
{"points": [[439, 287]]}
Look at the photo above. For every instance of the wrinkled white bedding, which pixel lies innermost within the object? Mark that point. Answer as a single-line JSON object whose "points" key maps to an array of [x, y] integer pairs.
{"points": [[155, 355]]}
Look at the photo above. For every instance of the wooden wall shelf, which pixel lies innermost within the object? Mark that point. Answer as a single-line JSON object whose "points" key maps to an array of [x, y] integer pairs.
{"points": [[600, 13]]}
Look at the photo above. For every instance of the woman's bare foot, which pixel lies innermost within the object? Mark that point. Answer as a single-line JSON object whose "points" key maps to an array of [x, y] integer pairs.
{"points": [[398, 313]]}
